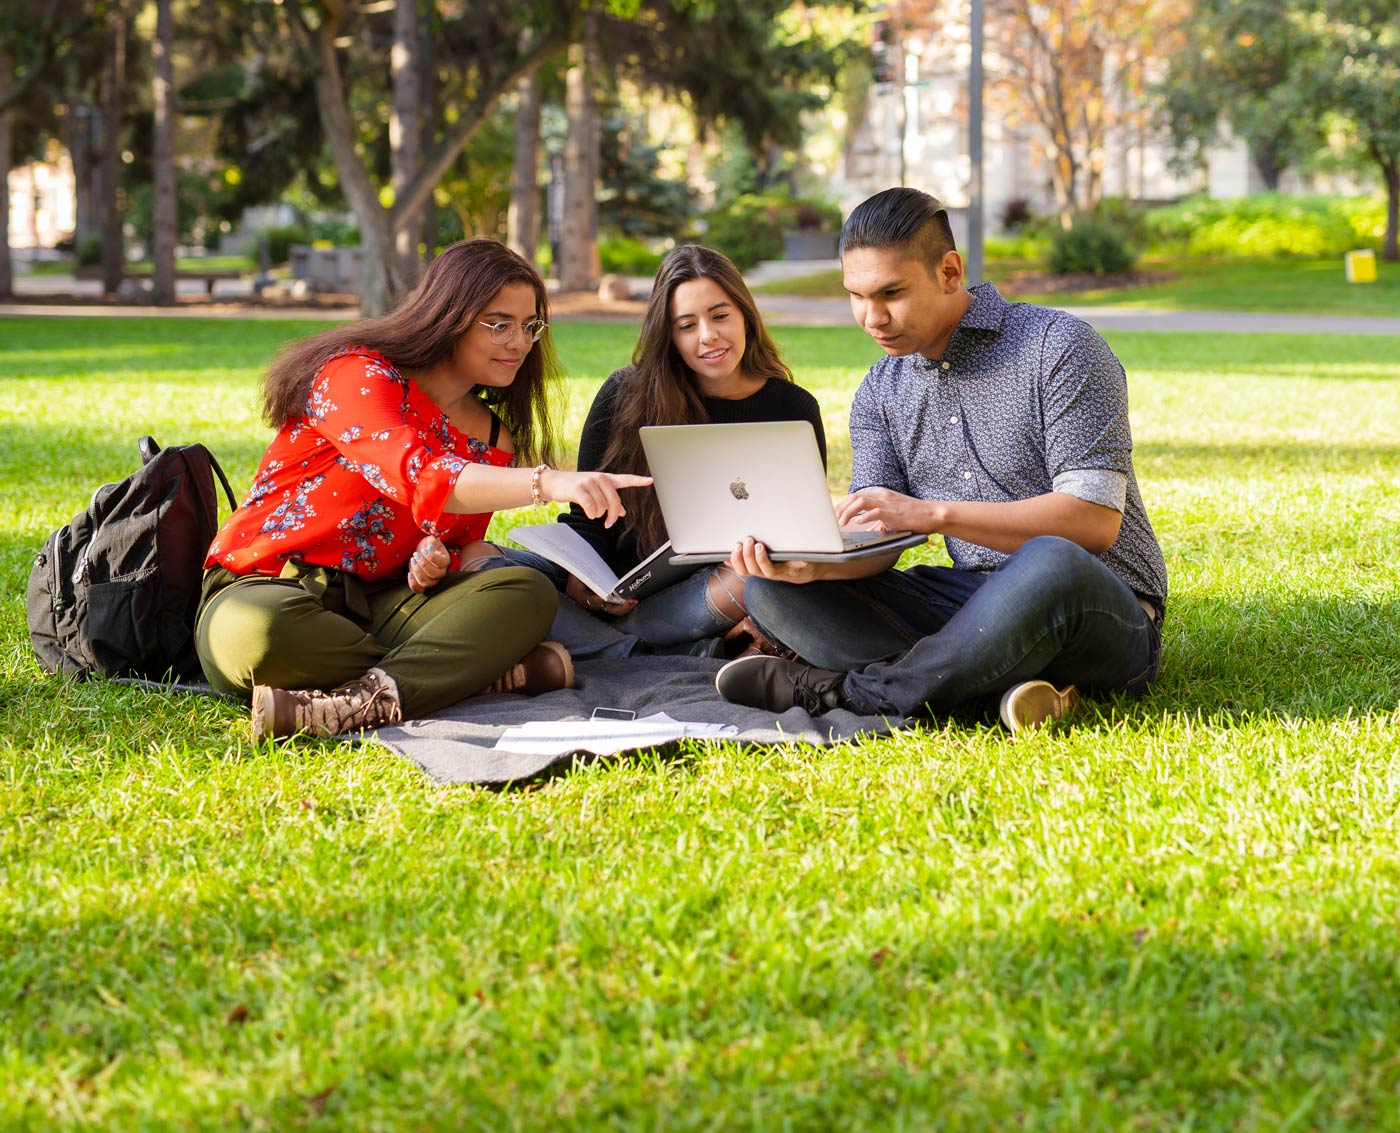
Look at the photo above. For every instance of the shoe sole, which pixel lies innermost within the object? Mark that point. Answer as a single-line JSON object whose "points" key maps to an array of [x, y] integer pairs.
{"points": [[1055, 702], [564, 659], [263, 714]]}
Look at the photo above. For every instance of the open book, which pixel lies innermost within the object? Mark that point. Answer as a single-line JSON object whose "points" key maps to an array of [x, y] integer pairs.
{"points": [[561, 544]]}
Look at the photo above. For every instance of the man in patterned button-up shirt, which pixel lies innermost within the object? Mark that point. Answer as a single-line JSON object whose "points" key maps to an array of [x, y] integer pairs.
{"points": [[1004, 428]]}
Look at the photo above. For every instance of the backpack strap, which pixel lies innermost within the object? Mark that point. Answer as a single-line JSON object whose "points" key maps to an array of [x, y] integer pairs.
{"points": [[148, 448], [228, 491]]}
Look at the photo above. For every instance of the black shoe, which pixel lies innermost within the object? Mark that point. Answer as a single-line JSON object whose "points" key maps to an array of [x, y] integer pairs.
{"points": [[777, 685]]}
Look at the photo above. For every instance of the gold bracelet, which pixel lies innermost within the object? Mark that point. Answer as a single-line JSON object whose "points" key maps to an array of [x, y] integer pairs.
{"points": [[535, 497]]}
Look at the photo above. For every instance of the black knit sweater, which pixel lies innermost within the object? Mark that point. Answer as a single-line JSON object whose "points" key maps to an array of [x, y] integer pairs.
{"points": [[778, 400]]}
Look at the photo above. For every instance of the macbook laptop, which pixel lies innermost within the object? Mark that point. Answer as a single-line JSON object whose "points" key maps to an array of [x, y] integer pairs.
{"points": [[718, 483]]}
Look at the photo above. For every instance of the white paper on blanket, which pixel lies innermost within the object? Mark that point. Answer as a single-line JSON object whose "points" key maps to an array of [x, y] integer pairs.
{"points": [[605, 737]]}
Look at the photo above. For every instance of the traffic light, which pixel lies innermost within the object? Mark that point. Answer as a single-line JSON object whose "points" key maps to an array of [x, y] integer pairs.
{"points": [[882, 52]]}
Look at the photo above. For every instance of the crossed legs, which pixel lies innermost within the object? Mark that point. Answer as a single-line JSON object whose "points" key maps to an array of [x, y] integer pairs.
{"points": [[940, 637]]}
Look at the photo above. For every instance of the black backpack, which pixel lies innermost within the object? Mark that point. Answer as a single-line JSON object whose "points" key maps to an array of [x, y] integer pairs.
{"points": [[115, 591]]}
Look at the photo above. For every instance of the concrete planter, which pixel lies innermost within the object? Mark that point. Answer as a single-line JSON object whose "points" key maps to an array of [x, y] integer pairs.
{"points": [[809, 245], [327, 269]]}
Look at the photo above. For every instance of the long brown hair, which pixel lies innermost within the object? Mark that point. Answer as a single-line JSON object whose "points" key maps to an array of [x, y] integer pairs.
{"points": [[423, 329], [659, 389]]}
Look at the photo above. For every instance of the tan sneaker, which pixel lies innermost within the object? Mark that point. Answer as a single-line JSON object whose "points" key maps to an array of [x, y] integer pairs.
{"points": [[545, 668], [365, 702], [1030, 704]]}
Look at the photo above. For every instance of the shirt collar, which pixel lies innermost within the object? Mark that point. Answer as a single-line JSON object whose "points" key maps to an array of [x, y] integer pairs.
{"points": [[986, 312]]}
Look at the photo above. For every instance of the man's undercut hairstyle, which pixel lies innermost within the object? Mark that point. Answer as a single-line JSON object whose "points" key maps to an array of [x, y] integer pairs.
{"points": [[908, 220]]}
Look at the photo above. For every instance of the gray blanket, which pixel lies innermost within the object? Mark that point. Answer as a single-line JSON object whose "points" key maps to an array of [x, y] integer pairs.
{"points": [[457, 744]]}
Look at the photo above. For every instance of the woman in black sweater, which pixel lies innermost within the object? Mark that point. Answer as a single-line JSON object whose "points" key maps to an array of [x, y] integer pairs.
{"points": [[704, 356]]}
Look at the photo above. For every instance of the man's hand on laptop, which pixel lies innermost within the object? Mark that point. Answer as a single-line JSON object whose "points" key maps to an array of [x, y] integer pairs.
{"points": [[880, 509]]}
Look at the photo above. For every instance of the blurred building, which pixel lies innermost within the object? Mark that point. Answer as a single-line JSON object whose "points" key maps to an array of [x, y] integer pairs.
{"points": [[43, 204]]}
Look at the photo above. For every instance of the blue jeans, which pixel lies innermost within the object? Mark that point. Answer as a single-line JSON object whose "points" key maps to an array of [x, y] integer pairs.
{"points": [[677, 616], [940, 636], [681, 613]]}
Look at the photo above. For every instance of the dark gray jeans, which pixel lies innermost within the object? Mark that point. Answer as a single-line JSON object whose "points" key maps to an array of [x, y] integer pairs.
{"points": [[940, 636]]}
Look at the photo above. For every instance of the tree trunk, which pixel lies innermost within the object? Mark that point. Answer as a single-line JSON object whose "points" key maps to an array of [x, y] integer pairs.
{"points": [[1063, 178], [429, 89], [382, 281], [523, 219], [1390, 167], [109, 213], [578, 269], [165, 221], [1266, 162], [405, 131], [7, 280], [77, 138]]}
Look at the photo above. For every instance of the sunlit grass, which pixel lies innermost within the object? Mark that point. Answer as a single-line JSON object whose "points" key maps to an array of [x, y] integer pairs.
{"points": [[1300, 287], [1178, 913]]}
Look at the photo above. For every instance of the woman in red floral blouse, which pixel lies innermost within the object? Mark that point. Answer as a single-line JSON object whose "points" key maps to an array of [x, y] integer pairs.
{"points": [[349, 567]]}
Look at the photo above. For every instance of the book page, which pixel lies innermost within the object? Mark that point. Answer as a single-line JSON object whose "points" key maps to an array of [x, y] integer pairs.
{"points": [[561, 544]]}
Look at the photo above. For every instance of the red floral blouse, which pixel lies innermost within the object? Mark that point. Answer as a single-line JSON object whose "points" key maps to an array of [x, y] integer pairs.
{"points": [[356, 480]]}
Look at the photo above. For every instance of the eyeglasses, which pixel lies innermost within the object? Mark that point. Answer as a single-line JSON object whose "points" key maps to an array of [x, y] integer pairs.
{"points": [[504, 331]]}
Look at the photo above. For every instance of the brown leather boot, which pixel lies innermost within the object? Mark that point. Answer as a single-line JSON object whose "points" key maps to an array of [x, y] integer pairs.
{"points": [[545, 668], [745, 639], [365, 702]]}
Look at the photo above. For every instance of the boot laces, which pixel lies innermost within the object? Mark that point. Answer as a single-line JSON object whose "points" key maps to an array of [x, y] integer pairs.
{"points": [[364, 702]]}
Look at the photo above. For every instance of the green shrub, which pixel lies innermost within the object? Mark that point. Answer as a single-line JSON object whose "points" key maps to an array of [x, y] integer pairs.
{"points": [[1128, 217], [747, 229], [626, 256], [1093, 246], [1269, 226], [341, 233], [281, 239], [1015, 247], [750, 227], [89, 250]]}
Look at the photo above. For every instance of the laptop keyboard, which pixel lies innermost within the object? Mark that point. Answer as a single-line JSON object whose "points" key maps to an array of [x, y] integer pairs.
{"points": [[851, 539]]}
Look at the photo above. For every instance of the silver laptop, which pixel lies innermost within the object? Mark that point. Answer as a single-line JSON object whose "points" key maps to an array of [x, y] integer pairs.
{"points": [[718, 483]]}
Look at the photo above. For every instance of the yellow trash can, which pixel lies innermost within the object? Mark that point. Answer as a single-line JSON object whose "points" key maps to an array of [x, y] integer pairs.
{"points": [[1361, 266]]}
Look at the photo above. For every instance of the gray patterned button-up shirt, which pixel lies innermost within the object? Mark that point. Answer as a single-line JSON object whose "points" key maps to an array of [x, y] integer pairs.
{"points": [[1025, 400]]}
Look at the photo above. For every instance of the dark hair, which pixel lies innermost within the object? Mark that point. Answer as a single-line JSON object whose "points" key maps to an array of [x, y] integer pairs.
{"points": [[906, 219], [423, 329], [659, 389]]}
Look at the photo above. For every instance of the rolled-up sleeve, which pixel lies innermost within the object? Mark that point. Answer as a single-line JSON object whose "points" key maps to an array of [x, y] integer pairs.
{"points": [[1085, 406]]}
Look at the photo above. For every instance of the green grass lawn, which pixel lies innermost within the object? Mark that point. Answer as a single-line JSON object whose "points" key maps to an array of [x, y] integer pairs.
{"points": [[186, 265], [1310, 287], [1179, 913]]}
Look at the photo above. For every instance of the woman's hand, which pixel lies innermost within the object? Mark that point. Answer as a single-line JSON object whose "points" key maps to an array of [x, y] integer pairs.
{"points": [[428, 564], [750, 559], [594, 492], [585, 597]]}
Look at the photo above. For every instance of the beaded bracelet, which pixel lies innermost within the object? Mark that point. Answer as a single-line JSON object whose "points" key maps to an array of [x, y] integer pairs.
{"points": [[535, 497]]}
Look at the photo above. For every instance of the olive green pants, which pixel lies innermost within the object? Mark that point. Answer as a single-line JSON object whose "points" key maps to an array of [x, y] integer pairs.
{"points": [[318, 628]]}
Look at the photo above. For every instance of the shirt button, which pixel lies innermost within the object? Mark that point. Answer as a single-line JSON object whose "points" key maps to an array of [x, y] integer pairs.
{"points": [[947, 365], [952, 420], [967, 475]]}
